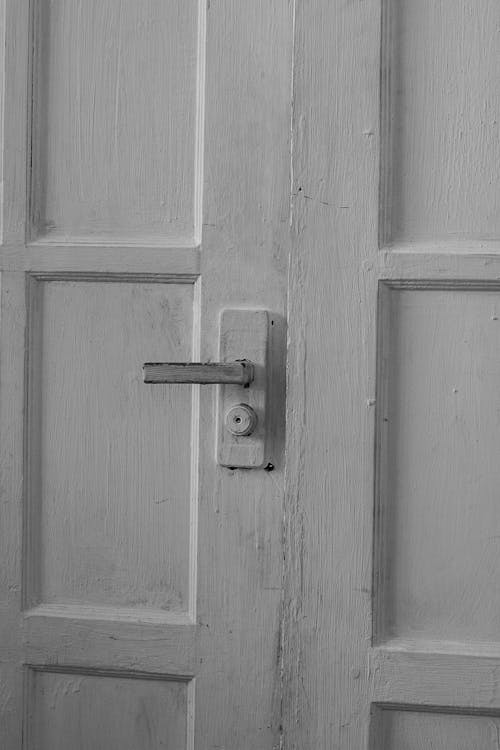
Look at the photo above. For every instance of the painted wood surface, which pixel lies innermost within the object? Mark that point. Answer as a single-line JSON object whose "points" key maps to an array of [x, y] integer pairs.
{"points": [[116, 712], [430, 679], [414, 730], [15, 119], [180, 617], [439, 674], [243, 264], [439, 357], [113, 527], [440, 103], [114, 134], [331, 380], [240, 662]]}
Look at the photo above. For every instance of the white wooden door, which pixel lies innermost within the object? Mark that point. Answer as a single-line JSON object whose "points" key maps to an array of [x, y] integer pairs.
{"points": [[392, 638], [145, 188]]}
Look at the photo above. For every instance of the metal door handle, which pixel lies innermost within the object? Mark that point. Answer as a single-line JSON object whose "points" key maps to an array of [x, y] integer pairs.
{"points": [[224, 373]]}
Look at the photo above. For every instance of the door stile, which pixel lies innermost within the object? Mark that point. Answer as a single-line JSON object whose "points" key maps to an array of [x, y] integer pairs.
{"points": [[12, 335]]}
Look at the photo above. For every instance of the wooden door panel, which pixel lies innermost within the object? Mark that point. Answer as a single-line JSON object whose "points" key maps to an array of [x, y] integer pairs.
{"points": [[438, 407], [115, 711], [392, 465], [404, 729], [146, 181], [441, 100], [110, 457], [115, 91]]}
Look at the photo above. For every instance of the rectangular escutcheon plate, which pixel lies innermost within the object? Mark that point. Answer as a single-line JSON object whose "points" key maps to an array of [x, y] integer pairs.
{"points": [[243, 335]]}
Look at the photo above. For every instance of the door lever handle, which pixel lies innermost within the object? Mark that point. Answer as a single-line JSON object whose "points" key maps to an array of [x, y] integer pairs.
{"points": [[240, 372]]}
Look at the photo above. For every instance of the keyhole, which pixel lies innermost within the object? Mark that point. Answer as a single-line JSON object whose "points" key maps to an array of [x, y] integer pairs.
{"points": [[241, 420]]}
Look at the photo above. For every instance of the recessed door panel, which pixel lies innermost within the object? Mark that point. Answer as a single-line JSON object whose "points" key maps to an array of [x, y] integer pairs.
{"points": [[438, 423], [110, 457], [101, 711], [114, 133]]}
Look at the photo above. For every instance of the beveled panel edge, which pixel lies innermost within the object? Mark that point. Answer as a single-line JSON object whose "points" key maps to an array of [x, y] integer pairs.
{"points": [[379, 708], [442, 246], [71, 640], [200, 120], [30, 580], [29, 105], [387, 115], [456, 681], [427, 266], [15, 113], [111, 614], [441, 285], [36, 258], [379, 454], [385, 123], [426, 646], [382, 395], [432, 709], [29, 672], [103, 672], [30, 585]]}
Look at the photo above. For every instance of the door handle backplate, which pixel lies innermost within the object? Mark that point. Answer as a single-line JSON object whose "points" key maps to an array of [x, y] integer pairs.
{"points": [[241, 377]]}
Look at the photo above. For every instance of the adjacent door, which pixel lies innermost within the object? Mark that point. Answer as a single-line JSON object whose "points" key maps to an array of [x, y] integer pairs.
{"points": [[145, 176], [393, 502]]}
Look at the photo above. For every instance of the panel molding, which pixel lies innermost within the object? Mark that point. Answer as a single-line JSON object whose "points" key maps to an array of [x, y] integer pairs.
{"points": [[173, 261], [386, 123], [386, 465], [432, 709], [30, 589], [180, 221], [439, 285], [462, 119], [30, 672], [450, 682], [382, 400], [75, 638], [103, 672], [111, 614], [14, 114], [200, 120]]}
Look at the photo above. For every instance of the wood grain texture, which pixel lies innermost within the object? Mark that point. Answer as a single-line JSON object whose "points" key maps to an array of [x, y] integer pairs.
{"points": [[243, 264], [331, 375], [44, 258], [331, 673], [438, 421], [296, 672], [13, 321], [94, 638], [420, 730], [442, 674], [116, 711], [224, 635], [14, 118], [440, 103], [115, 131], [109, 520]]}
